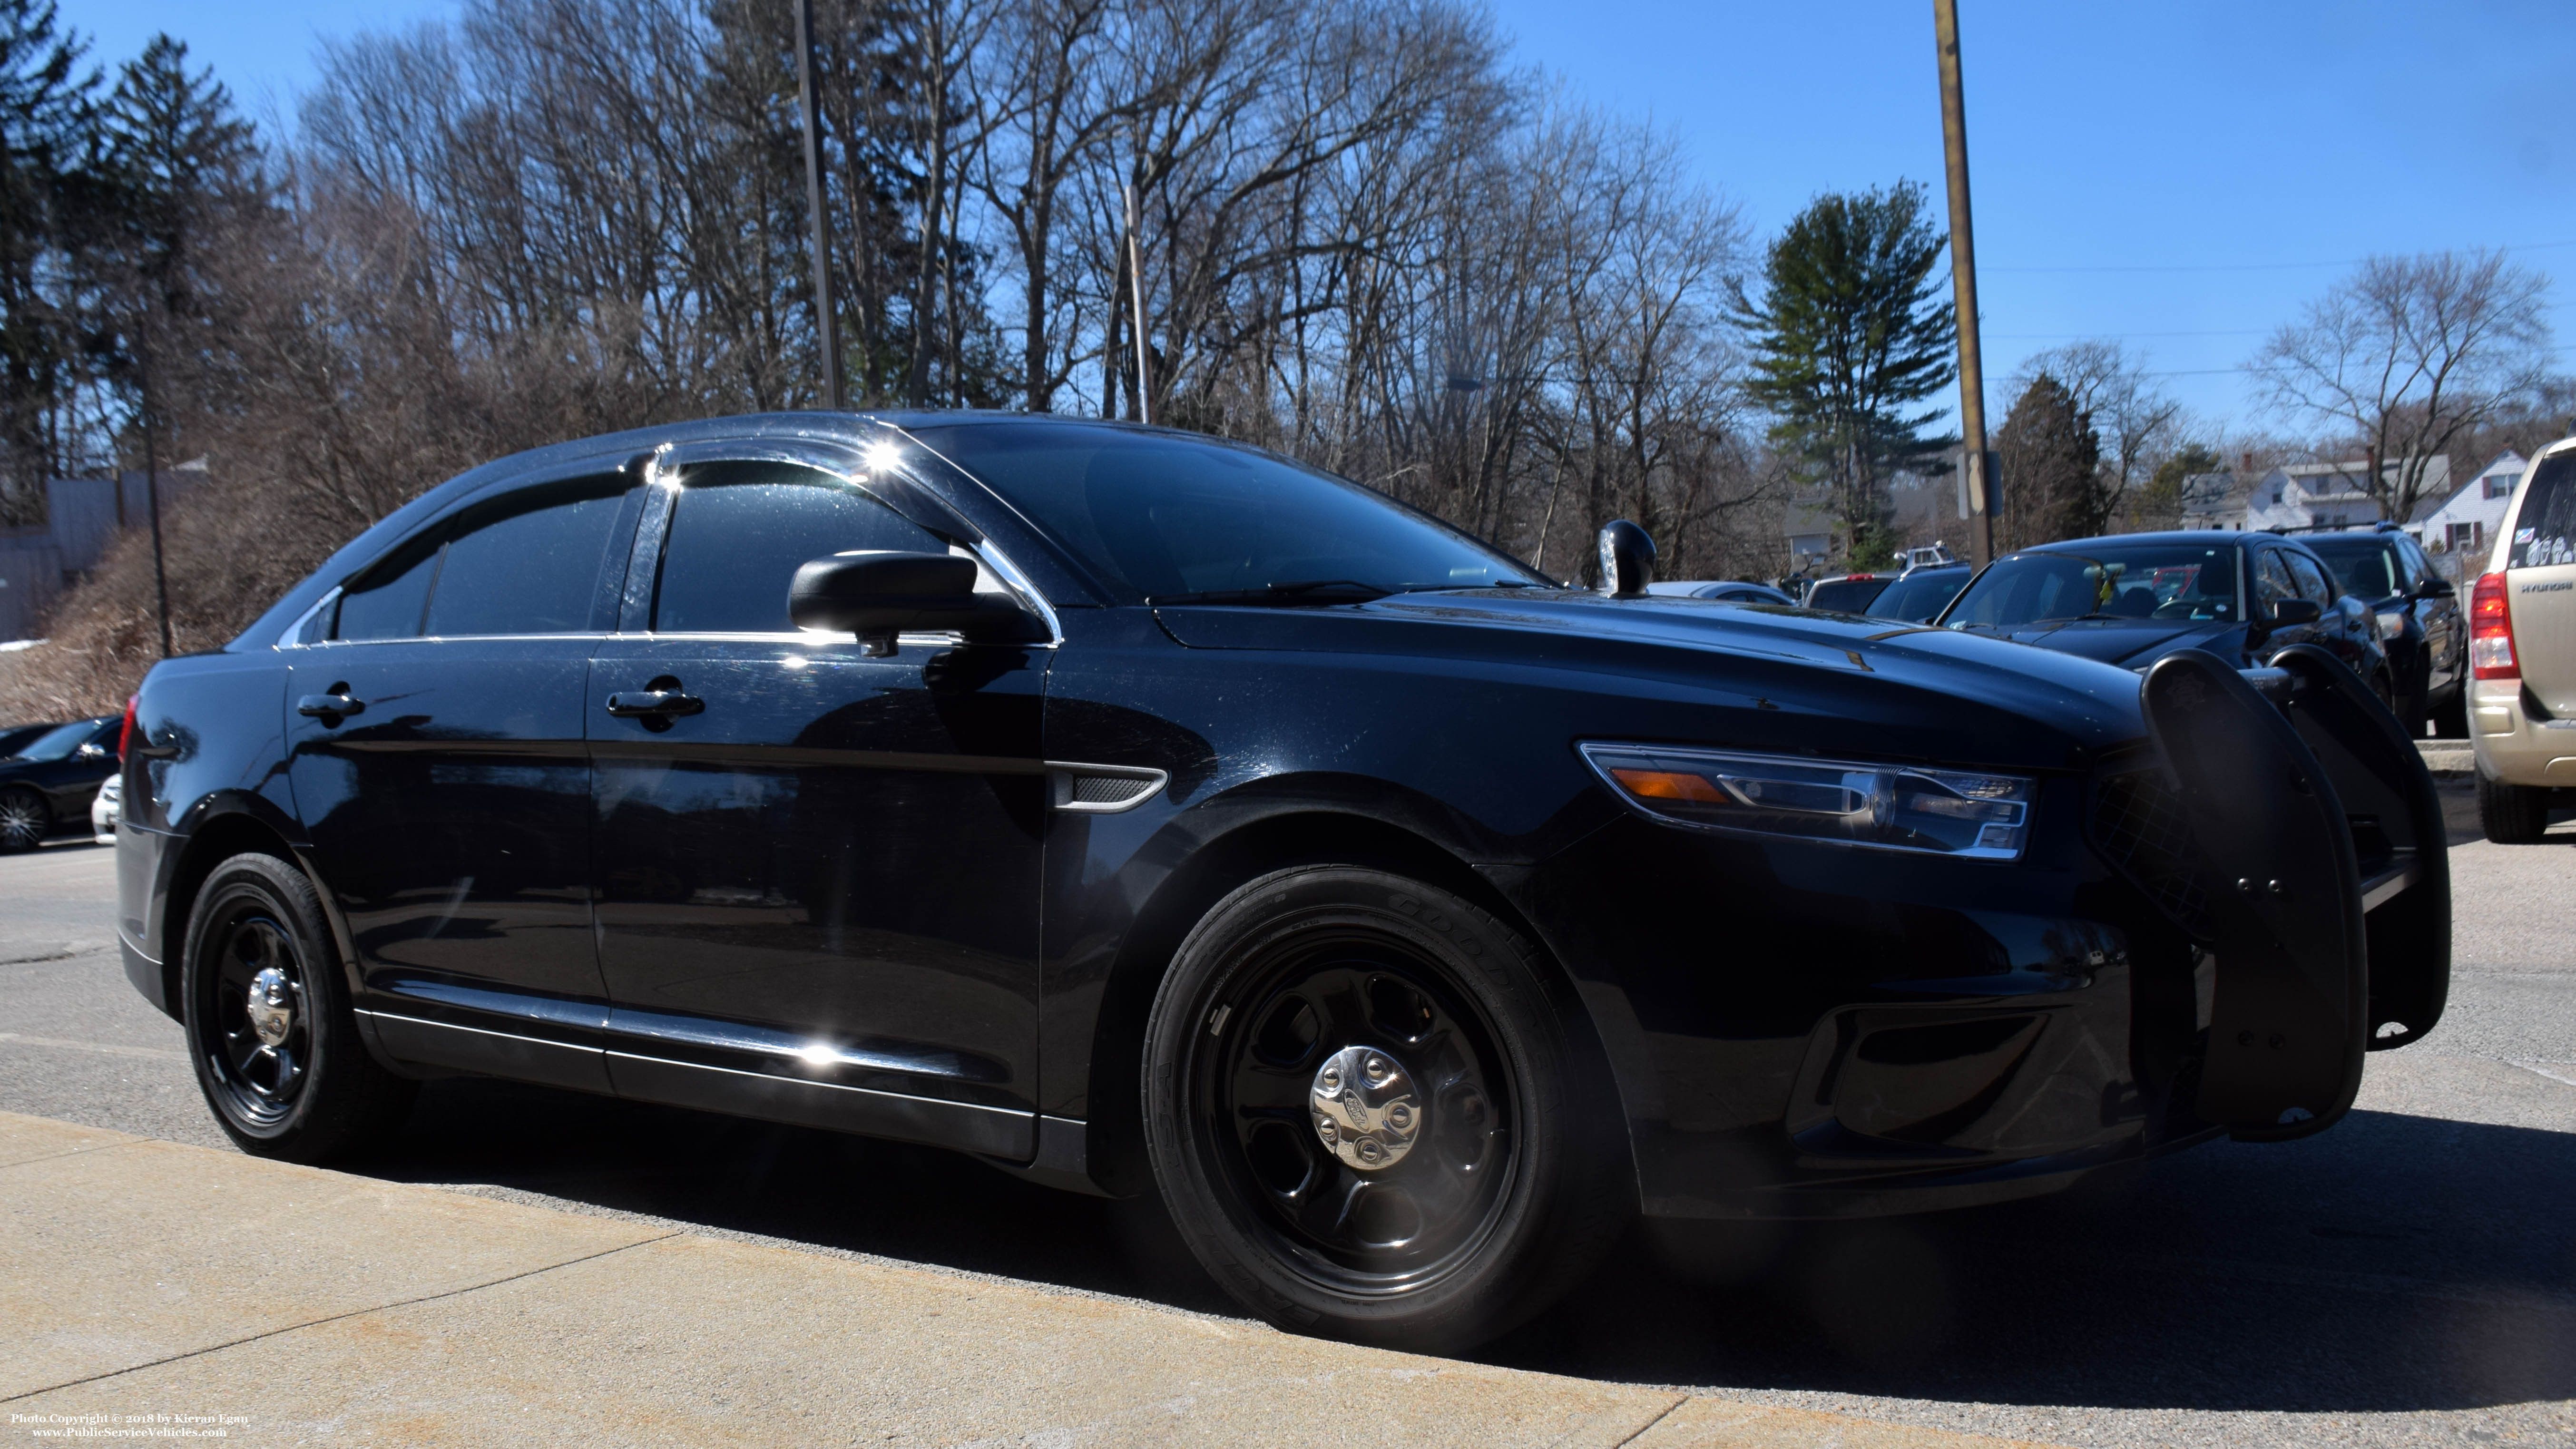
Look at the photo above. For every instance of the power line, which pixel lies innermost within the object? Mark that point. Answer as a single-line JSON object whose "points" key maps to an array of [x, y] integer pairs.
{"points": [[2251, 266]]}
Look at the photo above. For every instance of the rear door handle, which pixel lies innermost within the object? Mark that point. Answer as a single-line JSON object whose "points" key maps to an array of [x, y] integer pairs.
{"points": [[654, 704], [324, 706]]}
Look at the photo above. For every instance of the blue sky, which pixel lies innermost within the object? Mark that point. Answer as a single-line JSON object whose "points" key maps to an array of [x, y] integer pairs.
{"points": [[2168, 174]]}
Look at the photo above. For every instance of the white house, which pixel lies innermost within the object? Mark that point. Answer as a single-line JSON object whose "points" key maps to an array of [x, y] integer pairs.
{"points": [[2465, 522], [2212, 500], [2311, 495]]}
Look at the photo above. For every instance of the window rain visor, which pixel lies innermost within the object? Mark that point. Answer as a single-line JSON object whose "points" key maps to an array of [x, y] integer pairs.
{"points": [[1974, 815]]}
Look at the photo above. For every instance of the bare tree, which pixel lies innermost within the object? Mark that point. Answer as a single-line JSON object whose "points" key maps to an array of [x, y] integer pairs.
{"points": [[2411, 353], [2138, 422]]}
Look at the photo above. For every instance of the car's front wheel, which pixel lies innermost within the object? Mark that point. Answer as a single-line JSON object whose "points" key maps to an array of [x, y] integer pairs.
{"points": [[269, 1026], [24, 820], [2512, 814], [1367, 1117]]}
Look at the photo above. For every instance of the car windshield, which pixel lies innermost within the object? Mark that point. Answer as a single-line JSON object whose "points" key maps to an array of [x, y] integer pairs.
{"points": [[2113, 581], [2364, 565], [1179, 520], [1919, 596], [61, 741]]}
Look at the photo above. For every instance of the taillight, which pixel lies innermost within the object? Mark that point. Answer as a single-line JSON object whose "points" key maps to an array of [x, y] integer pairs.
{"points": [[2491, 631], [125, 735]]}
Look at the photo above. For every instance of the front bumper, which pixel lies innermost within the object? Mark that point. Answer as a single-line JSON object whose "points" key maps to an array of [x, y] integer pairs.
{"points": [[1802, 1031]]}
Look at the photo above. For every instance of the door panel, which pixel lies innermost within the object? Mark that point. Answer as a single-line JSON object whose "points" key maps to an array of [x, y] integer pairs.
{"points": [[840, 852], [449, 816], [816, 883]]}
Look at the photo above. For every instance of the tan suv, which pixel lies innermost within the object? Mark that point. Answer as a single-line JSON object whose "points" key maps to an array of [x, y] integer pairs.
{"points": [[2522, 648]]}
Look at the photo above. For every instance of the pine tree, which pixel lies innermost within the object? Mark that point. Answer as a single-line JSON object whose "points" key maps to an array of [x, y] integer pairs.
{"points": [[1850, 331], [2052, 469], [47, 118]]}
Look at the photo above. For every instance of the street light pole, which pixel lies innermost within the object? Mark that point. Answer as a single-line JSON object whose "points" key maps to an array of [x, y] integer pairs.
{"points": [[827, 327], [1973, 456]]}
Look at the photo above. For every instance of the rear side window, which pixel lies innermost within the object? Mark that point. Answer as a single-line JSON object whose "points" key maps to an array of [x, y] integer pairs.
{"points": [[529, 566], [738, 532], [2544, 532]]}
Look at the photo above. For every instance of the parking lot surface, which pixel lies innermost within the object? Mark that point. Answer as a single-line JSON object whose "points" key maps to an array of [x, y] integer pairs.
{"points": [[642, 1272]]}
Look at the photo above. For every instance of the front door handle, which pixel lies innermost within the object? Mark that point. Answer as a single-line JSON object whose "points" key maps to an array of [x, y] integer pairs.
{"points": [[327, 706], [654, 704]]}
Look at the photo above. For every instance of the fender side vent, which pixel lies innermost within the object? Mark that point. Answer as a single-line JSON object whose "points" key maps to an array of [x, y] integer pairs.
{"points": [[1101, 789]]}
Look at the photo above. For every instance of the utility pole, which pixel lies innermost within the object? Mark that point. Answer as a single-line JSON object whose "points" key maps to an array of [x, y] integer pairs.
{"points": [[1136, 288], [151, 475], [827, 327], [1973, 455]]}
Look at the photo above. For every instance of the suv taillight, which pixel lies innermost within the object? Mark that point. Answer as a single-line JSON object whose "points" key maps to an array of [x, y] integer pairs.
{"points": [[125, 734], [2491, 631]]}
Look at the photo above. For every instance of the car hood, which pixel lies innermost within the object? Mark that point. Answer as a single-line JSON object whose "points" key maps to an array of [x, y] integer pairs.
{"points": [[1797, 678], [2130, 643]]}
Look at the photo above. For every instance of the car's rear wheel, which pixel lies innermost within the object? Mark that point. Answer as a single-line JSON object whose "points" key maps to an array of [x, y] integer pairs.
{"points": [[270, 1031], [24, 820], [2512, 814], [1365, 1114]]}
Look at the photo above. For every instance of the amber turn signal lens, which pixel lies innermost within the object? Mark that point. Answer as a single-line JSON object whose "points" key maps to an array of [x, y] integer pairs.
{"points": [[1668, 785]]}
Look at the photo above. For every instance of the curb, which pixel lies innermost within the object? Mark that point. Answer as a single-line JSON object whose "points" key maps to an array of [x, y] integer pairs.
{"points": [[186, 1288]]}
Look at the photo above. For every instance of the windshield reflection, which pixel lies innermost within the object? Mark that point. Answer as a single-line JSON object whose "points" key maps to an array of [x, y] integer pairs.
{"points": [[2176, 582]]}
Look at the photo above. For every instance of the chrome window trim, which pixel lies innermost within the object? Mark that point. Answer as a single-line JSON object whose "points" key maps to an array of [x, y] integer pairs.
{"points": [[287, 637]]}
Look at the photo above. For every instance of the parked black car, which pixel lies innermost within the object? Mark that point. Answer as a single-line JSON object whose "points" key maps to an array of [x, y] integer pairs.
{"points": [[2133, 598], [1919, 595], [2421, 625], [46, 787], [1141, 812]]}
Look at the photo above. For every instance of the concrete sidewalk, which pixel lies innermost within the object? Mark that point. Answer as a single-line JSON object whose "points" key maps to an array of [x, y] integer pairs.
{"points": [[155, 1286]]}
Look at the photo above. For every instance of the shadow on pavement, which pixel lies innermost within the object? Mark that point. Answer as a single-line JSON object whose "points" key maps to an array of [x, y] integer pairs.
{"points": [[2397, 1263]]}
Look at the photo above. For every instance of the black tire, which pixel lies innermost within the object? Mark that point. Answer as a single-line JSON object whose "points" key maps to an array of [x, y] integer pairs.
{"points": [[1514, 1181], [2512, 814], [304, 1088], [25, 819]]}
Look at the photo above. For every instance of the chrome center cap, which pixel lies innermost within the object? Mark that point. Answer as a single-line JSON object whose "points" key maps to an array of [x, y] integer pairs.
{"points": [[271, 1006], [1365, 1108]]}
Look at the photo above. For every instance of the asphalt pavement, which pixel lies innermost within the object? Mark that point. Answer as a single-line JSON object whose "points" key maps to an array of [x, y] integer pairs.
{"points": [[2405, 1278]]}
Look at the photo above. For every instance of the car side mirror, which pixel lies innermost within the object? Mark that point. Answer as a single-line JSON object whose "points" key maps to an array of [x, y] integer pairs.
{"points": [[92, 752], [2436, 588], [1627, 559], [2282, 613], [879, 594]]}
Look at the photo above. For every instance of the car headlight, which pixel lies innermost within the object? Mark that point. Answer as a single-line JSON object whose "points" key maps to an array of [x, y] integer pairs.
{"points": [[1972, 814], [2392, 625]]}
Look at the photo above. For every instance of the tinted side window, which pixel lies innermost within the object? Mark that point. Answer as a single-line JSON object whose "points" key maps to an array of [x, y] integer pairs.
{"points": [[2271, 578], [531, 566], [738, 532], [2544, 528], [387, 602], [2312, 579]]}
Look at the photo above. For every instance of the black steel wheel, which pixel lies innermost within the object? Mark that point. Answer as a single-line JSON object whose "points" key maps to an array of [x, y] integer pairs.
{"points": [[274, 1043], [24, 820], [1365, 1114]]}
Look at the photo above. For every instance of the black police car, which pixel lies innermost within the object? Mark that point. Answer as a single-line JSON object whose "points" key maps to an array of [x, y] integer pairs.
{"points": [[1145, 813]]}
